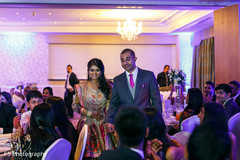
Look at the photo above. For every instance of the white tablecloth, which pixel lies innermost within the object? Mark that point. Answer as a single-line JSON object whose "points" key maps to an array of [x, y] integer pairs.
{"points": [[5, 150]]}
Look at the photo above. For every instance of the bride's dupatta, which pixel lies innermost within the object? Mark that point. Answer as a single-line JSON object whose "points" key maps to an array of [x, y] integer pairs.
{"points": [[76, 106]]}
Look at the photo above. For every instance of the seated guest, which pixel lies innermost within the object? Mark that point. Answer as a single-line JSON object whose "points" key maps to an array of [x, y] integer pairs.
{"points": [[209, 95], [6, 98], [194, 100], [223, 95], [212, 111], [7, 113], [163, 78], [131, 126], [17, 95], [157, 130], [24, 107], [41, 134], [47, 92], [235, 91], [209, 141], [62, 122], [20, 101], [34, 98]]}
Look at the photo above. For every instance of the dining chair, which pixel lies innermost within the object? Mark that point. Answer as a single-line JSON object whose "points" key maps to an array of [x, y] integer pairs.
{"points": [[234, 127], [59, 150], [182, 137], [81, 145], [190, 123]]}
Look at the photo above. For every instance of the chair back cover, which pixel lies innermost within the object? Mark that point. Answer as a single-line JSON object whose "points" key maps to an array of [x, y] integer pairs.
{"points": [[234, 127], [59, 150], [82, 140], [182, 137], [190, 123]]}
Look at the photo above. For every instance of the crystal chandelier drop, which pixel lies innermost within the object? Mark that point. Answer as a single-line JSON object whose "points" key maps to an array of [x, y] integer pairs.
{"points": [[130, 29]]}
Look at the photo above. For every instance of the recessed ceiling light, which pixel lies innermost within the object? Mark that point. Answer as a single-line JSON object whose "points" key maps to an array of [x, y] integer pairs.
{"points": [[49, 13], [139, 7], [55, 22], [124, 7], [24, 18], [133, 7], [17, 13], [119, 7]]}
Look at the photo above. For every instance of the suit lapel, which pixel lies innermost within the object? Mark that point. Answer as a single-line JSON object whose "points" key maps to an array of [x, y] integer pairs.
{"points": [[125, 85], [138, 82]]}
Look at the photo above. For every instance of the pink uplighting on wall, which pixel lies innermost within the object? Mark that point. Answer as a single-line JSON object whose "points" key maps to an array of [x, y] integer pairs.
{"points": [[23, 57]]}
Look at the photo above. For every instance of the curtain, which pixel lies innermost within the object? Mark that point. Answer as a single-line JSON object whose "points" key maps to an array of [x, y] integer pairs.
{"points": [[203, 68]]}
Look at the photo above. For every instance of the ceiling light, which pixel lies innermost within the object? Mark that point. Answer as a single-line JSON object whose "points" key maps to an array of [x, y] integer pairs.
{"points": [[24, 18], [49, 13], [17, 13], [130, 29]]}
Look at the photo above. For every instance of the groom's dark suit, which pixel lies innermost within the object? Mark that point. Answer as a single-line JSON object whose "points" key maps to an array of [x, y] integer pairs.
{"points": [[146, 93]]}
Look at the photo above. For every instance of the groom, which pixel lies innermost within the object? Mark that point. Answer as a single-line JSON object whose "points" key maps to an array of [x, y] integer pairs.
{"points": [[134, 87]]}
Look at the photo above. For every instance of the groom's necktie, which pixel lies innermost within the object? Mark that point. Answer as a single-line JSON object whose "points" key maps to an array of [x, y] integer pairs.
{"points": [[131, 80], [166, 79], [66, 81]]}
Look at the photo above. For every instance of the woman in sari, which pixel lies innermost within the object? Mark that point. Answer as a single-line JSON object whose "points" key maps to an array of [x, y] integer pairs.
{"points": [[90, 100]]}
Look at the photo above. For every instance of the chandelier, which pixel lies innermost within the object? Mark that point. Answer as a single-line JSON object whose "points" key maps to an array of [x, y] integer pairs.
{"points": [[130, 29]]}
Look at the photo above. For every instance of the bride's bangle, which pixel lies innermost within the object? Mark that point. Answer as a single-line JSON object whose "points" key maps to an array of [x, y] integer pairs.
{"points": [[89, 113], [85, 112]]}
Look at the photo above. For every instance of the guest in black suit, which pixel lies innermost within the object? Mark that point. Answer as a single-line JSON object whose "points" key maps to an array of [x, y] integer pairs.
{"points": [[163, 78], [235, 85], [131, 126], [223, 95], [69, 85], [7, 113]]}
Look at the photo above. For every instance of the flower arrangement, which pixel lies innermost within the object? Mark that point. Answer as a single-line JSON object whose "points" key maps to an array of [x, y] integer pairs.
{"points": [[177, 77]]}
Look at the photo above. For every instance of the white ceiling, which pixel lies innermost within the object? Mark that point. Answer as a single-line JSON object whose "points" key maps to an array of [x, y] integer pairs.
{"points": [[103, 19]]}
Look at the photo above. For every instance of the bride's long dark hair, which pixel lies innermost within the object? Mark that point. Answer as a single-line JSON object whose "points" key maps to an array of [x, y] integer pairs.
{"points": [[104, 85]]}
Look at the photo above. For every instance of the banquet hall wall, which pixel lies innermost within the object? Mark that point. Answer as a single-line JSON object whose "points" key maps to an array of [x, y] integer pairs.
{"points": [[26, 57]]}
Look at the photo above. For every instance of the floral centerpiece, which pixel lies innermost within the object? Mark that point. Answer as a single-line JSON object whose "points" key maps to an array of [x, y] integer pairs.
{"points": [[177, 77]]}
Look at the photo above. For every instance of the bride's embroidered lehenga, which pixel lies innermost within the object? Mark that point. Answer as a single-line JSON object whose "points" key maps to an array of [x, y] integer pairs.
{"points": [[88, 99]]}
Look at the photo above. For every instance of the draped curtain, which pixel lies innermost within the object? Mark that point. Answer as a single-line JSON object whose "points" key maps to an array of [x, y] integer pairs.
{"points": [[203, 64]]}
